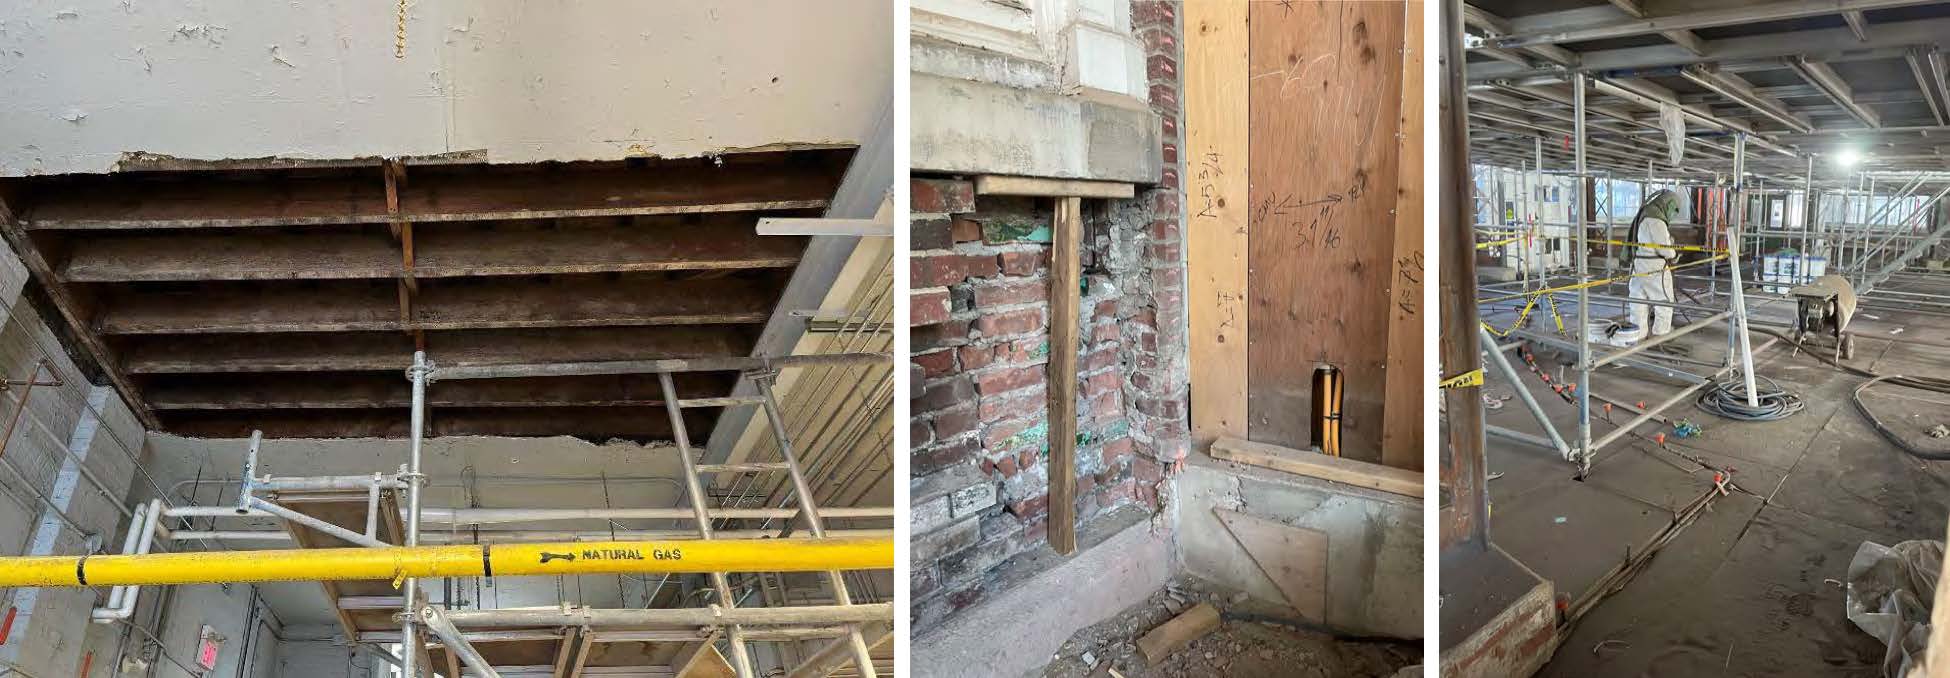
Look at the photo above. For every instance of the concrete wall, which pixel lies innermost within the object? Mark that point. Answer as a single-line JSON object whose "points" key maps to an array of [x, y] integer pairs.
{"points": [[1374, 541], [83, 83], [328, 659], [243, 621], [75, 447]]}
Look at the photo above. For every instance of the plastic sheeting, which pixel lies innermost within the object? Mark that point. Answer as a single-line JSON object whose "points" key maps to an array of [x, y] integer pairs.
{"points": [[1673, 121], [1889, 593]]}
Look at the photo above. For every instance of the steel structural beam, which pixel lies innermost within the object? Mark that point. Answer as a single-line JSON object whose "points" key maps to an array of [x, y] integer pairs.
{"points": [[1825, 44], [1831, 84], [1754, 13]]}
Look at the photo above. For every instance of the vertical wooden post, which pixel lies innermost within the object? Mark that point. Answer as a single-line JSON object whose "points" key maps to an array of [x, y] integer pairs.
{"points": [[1216, 226], [1401, 434], [1064, 300], [1465, 480]]}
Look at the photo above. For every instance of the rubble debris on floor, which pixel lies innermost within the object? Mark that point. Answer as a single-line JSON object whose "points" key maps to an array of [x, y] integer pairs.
{"points": [[1253, 638]]}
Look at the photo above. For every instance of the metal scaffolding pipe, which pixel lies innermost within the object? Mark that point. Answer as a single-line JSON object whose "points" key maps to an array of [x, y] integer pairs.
{"points": [[741, 660], [326, 483], [737, 364], [684, 617], [1503, 368], [451, 639], [409, 562], [418, 375], [1738, 300], [349, 536], [1525, 438], [863, 663], [1612, 357], [1583, 254]]}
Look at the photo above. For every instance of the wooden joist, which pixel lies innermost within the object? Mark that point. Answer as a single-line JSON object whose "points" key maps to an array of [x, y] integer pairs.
{"points": [[594, 423], [439, 305], [367, 351], [438, 253], [369, 390], [204, 284], [1317, 465], [140, 201]]}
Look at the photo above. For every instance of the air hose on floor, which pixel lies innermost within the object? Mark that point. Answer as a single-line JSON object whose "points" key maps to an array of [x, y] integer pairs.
{"points": [[1728, 399], [1931, 384]]}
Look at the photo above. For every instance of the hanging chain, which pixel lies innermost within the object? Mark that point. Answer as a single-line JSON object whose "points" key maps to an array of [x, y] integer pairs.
{"points": [[399, 36]]}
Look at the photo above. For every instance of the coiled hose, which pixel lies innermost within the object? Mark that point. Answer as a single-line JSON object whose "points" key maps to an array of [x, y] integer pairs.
{"points": [[1728, 399]]}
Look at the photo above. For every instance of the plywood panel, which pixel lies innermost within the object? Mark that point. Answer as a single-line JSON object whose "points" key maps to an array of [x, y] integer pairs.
{"points": [[1216, 204], [1293, 558], [1324, 102]]}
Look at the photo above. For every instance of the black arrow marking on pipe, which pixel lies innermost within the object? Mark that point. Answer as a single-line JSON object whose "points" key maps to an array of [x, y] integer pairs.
{"points": [[81, 571], [546, 556]]}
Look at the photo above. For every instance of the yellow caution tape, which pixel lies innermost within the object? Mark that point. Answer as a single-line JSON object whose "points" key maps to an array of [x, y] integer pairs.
{"points": [[1471, 378]]}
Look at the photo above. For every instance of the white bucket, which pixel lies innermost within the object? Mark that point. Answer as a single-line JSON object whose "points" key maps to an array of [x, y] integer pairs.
{"points": [[1625, 336]]}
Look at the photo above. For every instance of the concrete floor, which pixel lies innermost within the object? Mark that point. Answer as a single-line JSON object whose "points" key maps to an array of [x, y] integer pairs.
{"points": [[1752, 587]]}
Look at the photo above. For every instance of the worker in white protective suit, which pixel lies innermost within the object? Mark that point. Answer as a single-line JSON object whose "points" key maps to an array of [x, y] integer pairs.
{"points": [[1651, 264]]}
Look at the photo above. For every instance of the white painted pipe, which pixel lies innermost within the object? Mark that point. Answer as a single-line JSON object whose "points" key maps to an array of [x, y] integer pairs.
{"points": [[151, 524], [137, 519], [214, 512], [489, 516], [230, 535], [683, 617]]}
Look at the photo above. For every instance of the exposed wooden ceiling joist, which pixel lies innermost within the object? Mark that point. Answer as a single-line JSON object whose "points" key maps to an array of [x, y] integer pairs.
{"points": [[291, 299]]}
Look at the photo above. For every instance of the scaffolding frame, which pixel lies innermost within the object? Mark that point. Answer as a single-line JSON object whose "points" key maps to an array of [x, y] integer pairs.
{"points": [[844, 622], [1883, 246]]}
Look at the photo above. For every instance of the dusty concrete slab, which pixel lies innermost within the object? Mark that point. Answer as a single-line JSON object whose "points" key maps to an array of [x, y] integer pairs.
{"points": [[1574, 532], [1767, 611], [1746, 589]]}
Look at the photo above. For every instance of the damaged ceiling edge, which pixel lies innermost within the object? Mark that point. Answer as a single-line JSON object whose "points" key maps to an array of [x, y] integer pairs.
{"points": [[145, 161]]}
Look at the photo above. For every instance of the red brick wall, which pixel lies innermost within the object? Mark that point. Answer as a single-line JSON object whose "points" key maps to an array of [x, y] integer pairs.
{"points": [[980, 343]]}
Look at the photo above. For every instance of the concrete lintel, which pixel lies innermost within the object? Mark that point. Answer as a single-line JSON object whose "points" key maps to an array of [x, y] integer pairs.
{"points": [[982, 128]]}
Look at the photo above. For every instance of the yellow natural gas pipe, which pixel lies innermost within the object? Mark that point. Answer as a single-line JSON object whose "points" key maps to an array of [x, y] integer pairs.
{"points": [[470, 560]]}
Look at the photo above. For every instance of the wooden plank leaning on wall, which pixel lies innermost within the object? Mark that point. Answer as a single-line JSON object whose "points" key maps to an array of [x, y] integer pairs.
{"points": [[1401, 434], [1215, 210]]}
